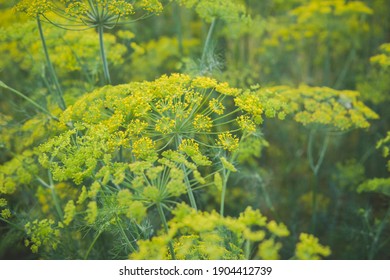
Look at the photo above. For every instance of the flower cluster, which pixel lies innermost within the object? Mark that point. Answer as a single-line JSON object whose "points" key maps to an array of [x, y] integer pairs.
{"points": [[375, 85], [309, 248], [384, 144], [340, 110], [379, 185], [5, 212], [43, 233], [382, 59], [35, 7], [18, 171], [89, 13], [204, 235], [336, 7], [229, 11]]}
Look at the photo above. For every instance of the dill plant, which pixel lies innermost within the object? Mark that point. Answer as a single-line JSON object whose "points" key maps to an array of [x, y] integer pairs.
{"points": [[136, 148], [81, 15], [121, 171]]}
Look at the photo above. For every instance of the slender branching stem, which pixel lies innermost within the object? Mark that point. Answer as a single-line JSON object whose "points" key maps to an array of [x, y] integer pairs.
{"points": [[165, 224], [374, 246], [225, 178], [12, 224], [226, 174], [124, 234], [247, 249], [189, 190], [178, 24], [28, 99], [207, 45], [190, 193], [344, 71], [56, 201], [92, 244], [60, 98], [103, 54], [315, 167]]}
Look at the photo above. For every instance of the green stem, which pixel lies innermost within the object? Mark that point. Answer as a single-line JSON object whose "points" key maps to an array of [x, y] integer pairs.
{"points": [[53, 74], [310, 150], [344, 71], [315, 168], [327, 57], [12, 224], [189, 190], [207, 45], [57, 203], [103, 54], [267, 197], [223, 193], [378, 233], [124, 234], [226, 178], [92, 244], [314, 205], [247, 249], [187, 182], [164, 221], [179, 31], [35, 104], [54, 196]]}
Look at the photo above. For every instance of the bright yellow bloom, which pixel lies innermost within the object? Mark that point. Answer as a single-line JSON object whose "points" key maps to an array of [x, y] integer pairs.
{"points": [[228, 141]]}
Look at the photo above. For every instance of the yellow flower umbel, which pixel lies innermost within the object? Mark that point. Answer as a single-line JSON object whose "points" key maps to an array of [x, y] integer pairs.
{"points": [[308, 248], [42, 233], [87, 13], [228, 141], [207, 235], [35, 7], [144, 148], [323, 106]]}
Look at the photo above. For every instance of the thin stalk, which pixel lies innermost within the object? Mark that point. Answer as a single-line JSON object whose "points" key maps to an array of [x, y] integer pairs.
{"points": [[60, 98], [165, 224], [310, 150], [223, 193], [177, 18], [124, 234], [12, 224], [187, 182], [35, 104], [267, 197], [314, 205], [246, 38], [327, 61], [247, 249], [103, 54], [344, 71], [92, 244], [54, 196], [57, 203], [315, 168], [378, 233], [189, 190], [226, 178], [207, 44]]}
